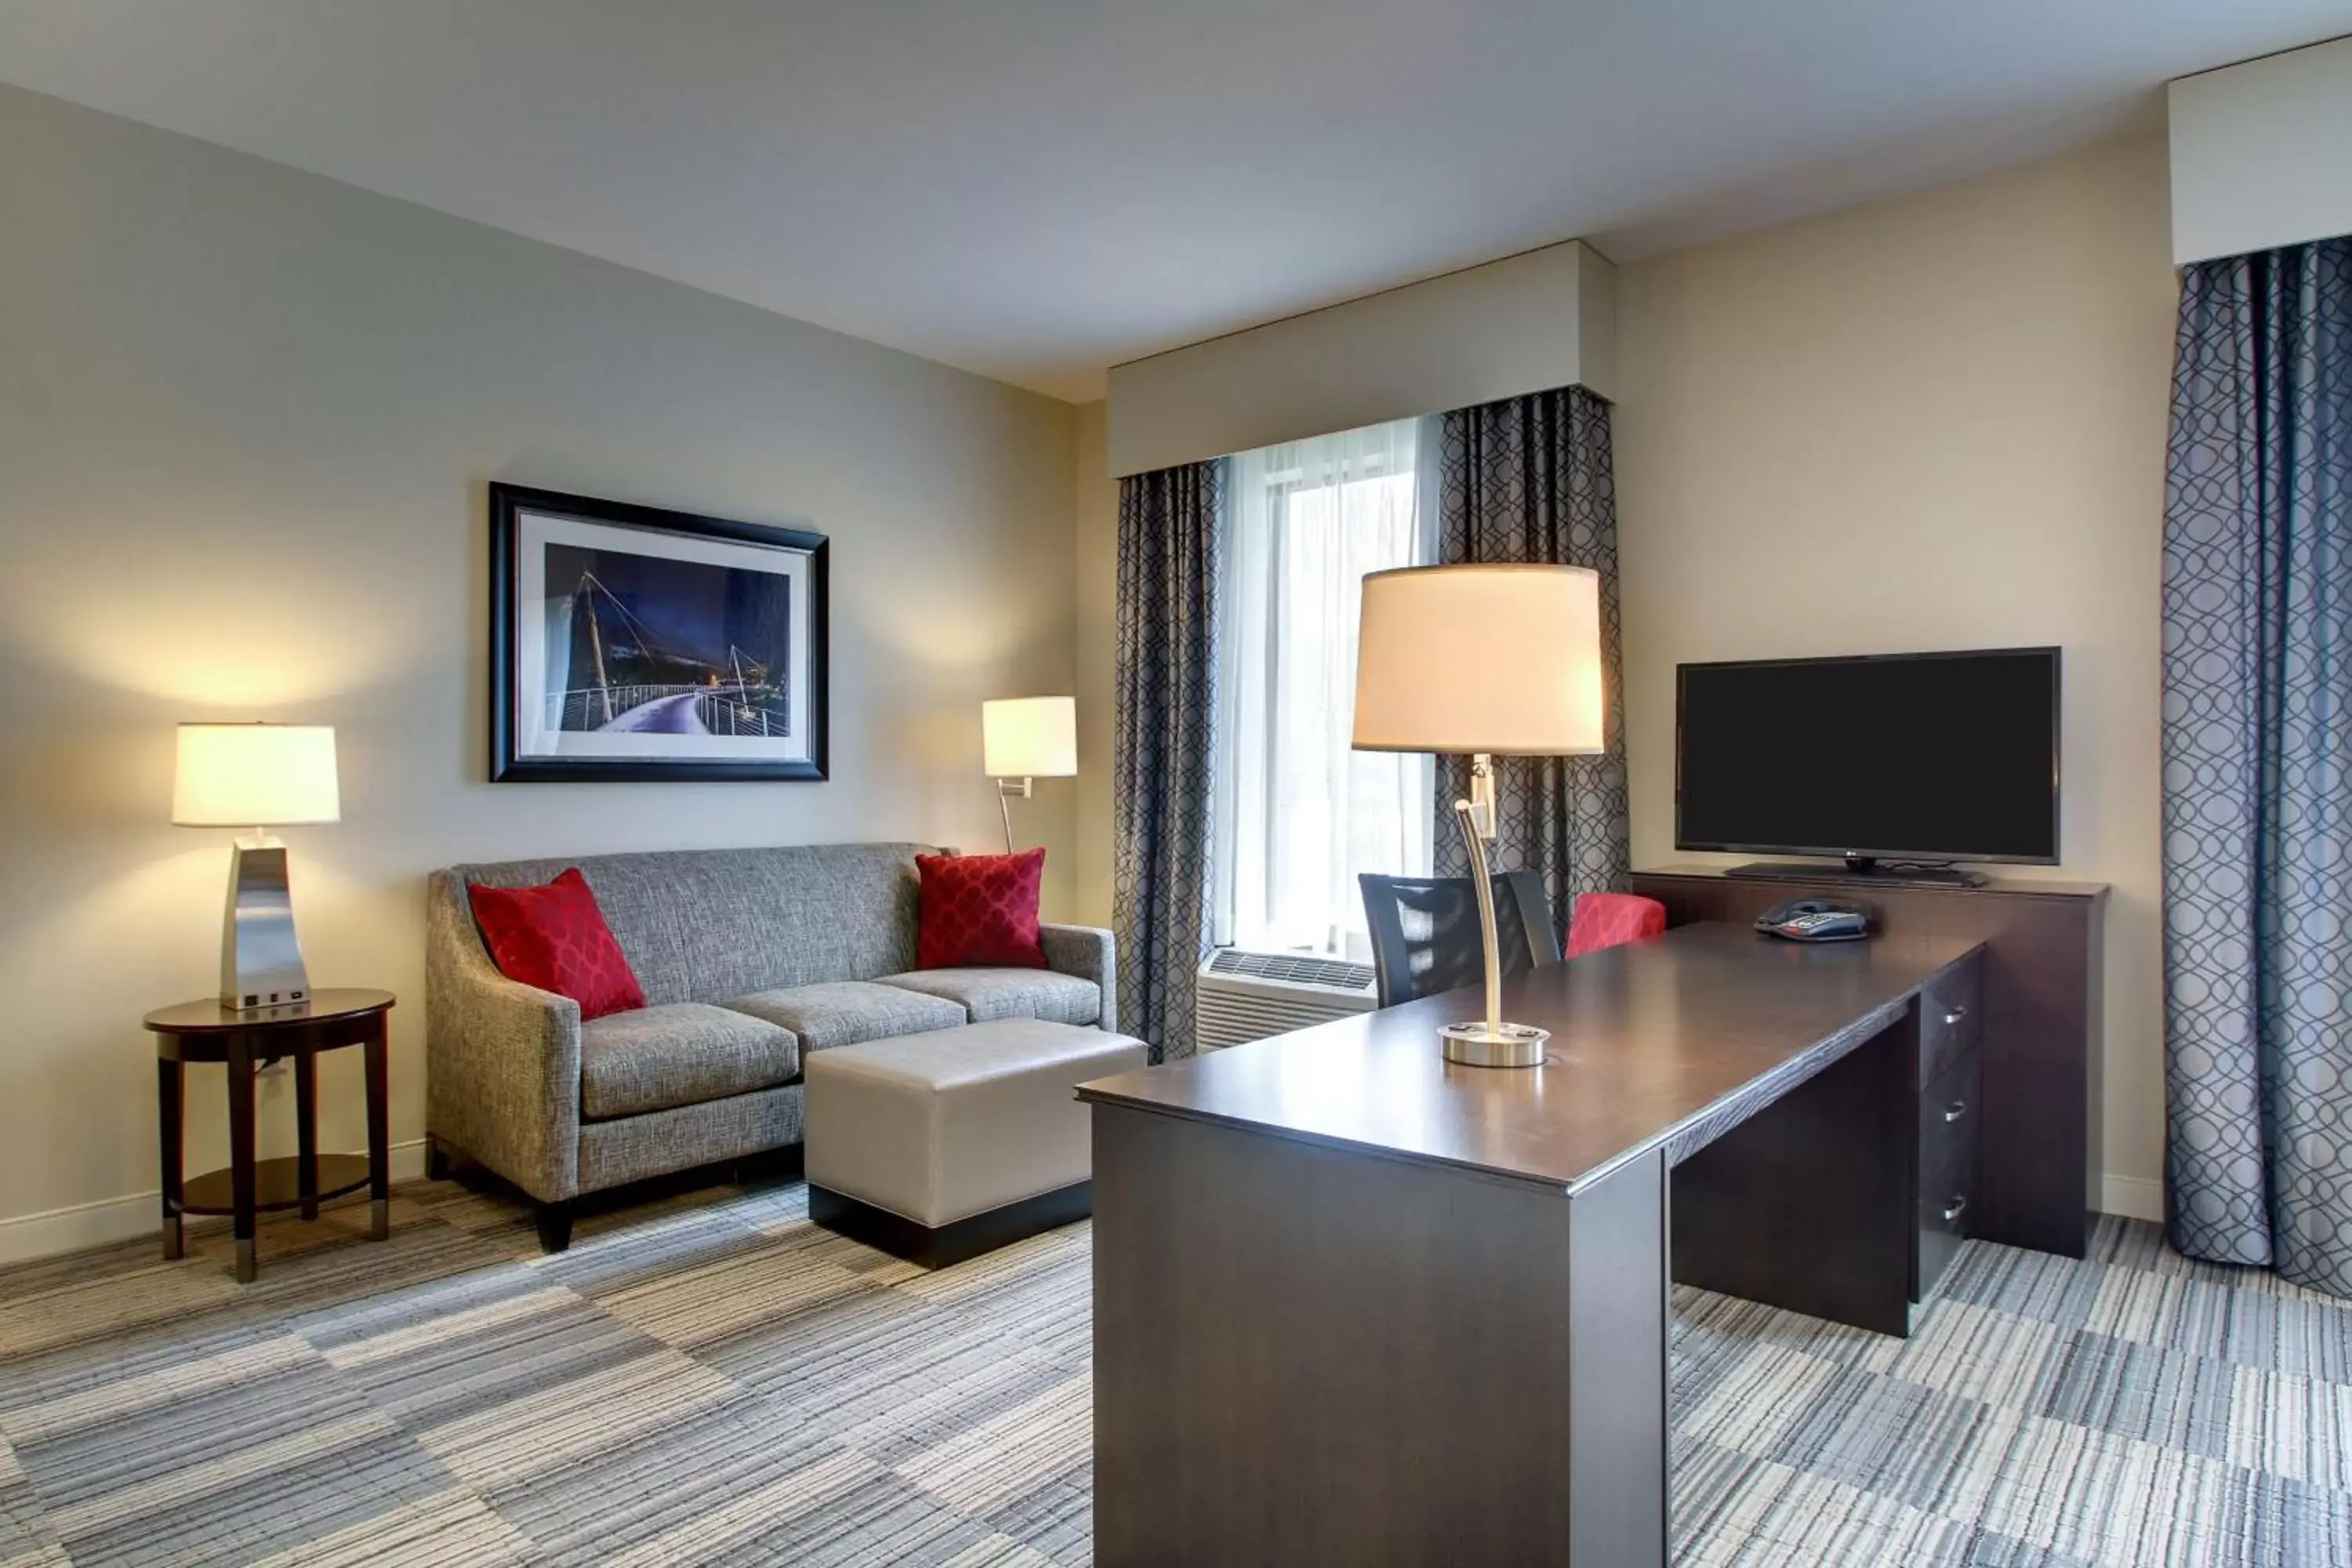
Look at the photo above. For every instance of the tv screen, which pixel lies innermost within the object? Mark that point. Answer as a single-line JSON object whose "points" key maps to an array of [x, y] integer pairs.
{"points": [[1941, 756]]}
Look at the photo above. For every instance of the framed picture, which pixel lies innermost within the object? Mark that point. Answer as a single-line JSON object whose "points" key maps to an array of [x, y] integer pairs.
{"points": [[631, 643]]}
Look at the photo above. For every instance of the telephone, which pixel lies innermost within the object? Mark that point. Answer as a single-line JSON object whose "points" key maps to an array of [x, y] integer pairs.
{"points": [[1815, 920]]}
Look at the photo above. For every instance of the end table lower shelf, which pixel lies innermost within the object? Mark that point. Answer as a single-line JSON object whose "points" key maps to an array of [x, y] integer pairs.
{"points": [[277, 1185]]}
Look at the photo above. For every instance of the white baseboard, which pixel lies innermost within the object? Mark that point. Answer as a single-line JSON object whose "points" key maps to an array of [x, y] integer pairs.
{"points": [[124, 1218], [109, 1220], [2134, 1197]]}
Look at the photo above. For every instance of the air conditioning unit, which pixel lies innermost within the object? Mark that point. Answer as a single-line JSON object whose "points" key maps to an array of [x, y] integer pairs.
{"points": [[1244, 996]]}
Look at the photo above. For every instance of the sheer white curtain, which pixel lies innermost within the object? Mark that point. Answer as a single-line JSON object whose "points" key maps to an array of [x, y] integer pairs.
{"points": [[1298, 814]]}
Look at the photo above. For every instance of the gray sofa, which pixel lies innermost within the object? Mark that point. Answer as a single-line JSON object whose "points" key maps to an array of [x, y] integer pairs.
{"points": [[750, 960]]}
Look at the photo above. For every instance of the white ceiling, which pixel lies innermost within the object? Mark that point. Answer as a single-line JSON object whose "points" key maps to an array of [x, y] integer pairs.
{"points": [[1037, 189]]}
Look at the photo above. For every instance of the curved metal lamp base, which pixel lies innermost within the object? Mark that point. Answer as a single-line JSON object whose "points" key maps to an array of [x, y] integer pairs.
{"points": [[1474, 1044], [1487, 1042]]}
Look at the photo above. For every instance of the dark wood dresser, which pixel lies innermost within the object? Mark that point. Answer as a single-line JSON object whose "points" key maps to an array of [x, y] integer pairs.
{"points": [[2023, 1057]]}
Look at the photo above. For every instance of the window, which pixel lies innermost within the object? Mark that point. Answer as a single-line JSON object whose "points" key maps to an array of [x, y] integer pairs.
{"points": [[1298, 814]]}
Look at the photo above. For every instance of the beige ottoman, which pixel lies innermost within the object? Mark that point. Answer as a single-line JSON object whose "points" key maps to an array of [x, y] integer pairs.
{"points": [[939, 1146]]}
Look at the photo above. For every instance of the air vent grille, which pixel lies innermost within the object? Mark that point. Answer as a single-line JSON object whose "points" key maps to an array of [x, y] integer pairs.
{"points": [[1293, 969], [1245, 995]]}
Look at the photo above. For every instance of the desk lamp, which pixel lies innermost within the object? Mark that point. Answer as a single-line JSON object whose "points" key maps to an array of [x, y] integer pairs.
{"points": [[246, 776], [1532, 688], [1027, 739]]}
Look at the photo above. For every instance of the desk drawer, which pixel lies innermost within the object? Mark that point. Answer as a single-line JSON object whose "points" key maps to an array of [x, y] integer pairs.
{"points": [[1950, 1110], [1950, 1013], [1947, 1194], [1944, 1220]]}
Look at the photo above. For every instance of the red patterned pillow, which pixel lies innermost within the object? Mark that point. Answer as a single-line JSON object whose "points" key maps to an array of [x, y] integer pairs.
{"points": [[554, 937], [979, 910]]}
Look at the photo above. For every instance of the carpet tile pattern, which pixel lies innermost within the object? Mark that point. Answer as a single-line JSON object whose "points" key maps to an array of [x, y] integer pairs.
{"points": [[709, 1379]]}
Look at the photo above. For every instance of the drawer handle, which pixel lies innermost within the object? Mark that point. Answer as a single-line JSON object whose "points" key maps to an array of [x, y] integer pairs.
{"points": [[1954, 1209], [1953, 1017], [1955, 1111]]}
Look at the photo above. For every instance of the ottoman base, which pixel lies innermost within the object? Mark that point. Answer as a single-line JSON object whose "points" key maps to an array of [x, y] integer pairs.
{"points": [[938, 1247]]}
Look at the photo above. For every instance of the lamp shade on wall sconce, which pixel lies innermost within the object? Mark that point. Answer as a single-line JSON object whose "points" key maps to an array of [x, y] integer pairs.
{"points": [[1026, 739], [1493, 660], [257, 777], [1030, 737]]}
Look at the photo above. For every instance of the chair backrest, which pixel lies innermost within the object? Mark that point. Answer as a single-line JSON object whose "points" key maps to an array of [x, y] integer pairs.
{"points": [[1425, 934], [1605, 920]]}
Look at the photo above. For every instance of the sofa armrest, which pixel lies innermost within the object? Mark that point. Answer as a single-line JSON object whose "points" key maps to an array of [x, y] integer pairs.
{"points": [[502, 1059], [1088, 953]]}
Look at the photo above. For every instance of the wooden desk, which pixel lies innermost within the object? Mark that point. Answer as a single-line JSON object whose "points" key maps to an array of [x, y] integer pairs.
{"points": [[1355, 1305]]}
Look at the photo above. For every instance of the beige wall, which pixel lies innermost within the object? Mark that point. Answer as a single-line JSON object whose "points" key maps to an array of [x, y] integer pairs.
{"points": [[1931, 422], [1097, 631], [246, 417]]}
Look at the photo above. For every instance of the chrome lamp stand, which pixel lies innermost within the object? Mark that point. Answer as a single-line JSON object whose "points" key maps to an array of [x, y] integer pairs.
{"points": [[261, 958], [1489, 1042]]}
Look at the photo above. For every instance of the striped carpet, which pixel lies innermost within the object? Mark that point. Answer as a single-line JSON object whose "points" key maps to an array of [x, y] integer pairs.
{"points": [[712, 1379]]}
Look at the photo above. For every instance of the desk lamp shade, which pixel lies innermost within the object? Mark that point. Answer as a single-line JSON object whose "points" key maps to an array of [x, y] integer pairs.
{"points": [[1498, 659], [1492, 660], [1024, 739], [257, 777]]}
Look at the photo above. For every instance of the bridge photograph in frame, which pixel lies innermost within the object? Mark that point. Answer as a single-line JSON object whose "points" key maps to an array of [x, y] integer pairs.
{"points": [[632, 643]]}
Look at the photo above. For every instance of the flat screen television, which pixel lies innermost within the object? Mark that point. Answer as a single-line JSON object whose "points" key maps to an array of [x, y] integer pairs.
{"points": [[1923, 756]]}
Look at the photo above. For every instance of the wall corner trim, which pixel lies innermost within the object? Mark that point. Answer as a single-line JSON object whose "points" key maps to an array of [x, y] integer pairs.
{"points": [[2134, 1197]]}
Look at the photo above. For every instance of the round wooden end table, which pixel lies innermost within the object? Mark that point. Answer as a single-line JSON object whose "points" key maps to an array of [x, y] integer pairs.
{"points": [[244, 1041]]}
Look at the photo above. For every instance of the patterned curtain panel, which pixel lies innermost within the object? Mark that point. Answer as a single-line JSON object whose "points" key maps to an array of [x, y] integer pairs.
{"points": [[1529, 478], [1168, 550], [2258, 766]]}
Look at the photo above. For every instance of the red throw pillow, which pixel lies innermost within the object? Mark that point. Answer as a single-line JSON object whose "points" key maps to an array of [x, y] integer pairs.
{"points": [[980, 910], [554, 937]]}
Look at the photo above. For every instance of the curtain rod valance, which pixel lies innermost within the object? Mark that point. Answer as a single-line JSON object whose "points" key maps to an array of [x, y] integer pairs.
{"points": [[1532, 323]]}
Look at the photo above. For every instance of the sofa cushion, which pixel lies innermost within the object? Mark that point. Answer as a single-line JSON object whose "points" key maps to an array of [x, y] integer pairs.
{"points": [[679, 1054], [989, 994], [843, 1011]]}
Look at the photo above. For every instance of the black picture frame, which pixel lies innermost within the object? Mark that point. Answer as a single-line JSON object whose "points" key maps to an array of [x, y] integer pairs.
{"points": [[511, 761]]}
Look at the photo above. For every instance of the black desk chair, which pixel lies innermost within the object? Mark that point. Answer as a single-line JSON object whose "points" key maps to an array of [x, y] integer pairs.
{"points": [[1425, 931]]}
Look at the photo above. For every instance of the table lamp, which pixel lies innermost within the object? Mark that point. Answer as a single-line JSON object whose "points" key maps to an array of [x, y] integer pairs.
{"points": [[1027, 738], [1531, 686], [257, 777]]}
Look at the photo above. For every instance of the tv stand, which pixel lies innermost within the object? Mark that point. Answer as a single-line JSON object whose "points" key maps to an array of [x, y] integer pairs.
{"points": [[1860, 870]]}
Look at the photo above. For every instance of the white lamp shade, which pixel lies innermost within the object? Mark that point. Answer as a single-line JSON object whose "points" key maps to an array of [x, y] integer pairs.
{"points": [[1030, 737], [1504, 660], [255, 775]]}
